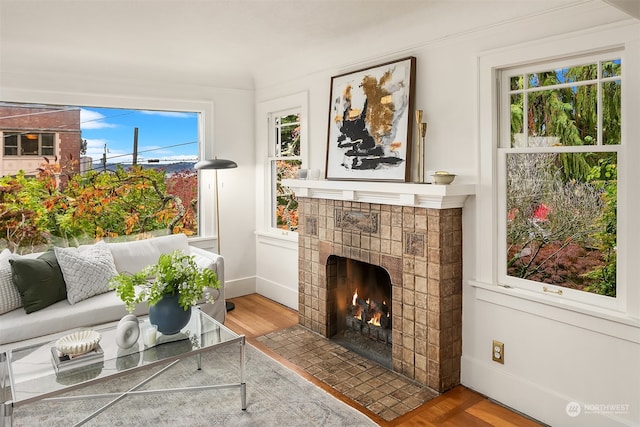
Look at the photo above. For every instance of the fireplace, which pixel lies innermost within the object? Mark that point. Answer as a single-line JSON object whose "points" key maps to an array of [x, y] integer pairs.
{"points": [[418, 248], [360, 308]]}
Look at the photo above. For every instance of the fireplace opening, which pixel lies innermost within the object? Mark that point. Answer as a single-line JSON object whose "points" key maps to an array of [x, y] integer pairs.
{"points": [[361, 318]]}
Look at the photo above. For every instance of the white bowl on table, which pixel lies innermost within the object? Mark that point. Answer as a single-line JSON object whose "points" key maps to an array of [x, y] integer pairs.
{"points": [[78, 342]]}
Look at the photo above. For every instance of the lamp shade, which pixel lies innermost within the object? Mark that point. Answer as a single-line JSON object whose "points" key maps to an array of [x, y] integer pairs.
{"points": [[216, 164]]}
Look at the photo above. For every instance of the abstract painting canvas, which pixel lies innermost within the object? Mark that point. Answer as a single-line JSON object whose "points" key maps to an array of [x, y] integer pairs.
{"points": [[370, 128]]}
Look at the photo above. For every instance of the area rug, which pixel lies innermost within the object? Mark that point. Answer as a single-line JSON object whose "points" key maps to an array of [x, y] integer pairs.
{"points": [[276, 396]]}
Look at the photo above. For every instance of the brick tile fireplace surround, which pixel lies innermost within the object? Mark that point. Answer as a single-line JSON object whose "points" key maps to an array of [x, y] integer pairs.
{"points": [[416, 236]]}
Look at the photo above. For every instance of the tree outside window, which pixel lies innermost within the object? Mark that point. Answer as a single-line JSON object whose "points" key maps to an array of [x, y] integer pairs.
{"points": [[285, 164], [561, 159], [57, 204]]}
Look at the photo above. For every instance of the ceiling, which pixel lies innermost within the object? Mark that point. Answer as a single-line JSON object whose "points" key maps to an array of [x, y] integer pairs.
{"points": [[224, 40]]}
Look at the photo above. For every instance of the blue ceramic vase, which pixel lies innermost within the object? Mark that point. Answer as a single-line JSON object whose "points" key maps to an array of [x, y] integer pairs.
{"points": [[168, 315]]}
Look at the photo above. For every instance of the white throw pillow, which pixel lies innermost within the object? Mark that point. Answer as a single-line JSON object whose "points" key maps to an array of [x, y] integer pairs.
{"points": [[9, 295], [86, 272], [131, 257], [203, 262]]}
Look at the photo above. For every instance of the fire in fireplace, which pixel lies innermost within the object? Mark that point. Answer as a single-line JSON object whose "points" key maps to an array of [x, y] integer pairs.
{"points": [[370, 317], [363, 302]]}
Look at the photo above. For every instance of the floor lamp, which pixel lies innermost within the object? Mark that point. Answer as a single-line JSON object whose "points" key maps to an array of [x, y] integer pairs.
{"points": [[216, 164]]}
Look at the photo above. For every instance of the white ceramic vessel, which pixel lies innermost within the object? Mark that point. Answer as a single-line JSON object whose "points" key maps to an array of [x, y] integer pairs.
{"points": [[128, 331], [78, 342]]}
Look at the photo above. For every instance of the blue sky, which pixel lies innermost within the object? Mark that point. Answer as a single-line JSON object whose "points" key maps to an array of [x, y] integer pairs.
{"points": [[168, 136]]}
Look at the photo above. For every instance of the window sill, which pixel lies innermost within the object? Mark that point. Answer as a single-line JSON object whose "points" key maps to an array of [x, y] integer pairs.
{"points": [[283, 239], [606, 322], [206, 239]]}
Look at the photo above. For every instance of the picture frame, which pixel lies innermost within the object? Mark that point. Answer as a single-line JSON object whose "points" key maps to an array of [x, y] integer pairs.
{"points": [[370, 123]]}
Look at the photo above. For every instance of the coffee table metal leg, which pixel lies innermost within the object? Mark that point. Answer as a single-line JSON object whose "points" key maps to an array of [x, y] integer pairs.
{"points": [[6, 411], [243, 384], [243, 396], [6, 408]]}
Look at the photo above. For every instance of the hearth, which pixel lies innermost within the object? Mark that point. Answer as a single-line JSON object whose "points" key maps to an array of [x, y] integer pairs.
{"points": [[362, 315]]}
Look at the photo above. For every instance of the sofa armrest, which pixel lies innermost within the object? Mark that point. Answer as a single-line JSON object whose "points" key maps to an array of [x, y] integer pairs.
{"points": [[207, 259]]}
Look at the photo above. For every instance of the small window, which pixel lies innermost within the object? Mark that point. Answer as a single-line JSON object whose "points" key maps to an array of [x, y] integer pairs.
{"points": [[29, 144], [285, 162], [47, 144], [10, 144]]}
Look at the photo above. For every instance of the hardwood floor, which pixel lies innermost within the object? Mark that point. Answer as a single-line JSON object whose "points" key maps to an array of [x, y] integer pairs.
{"points": [[256, 315]]}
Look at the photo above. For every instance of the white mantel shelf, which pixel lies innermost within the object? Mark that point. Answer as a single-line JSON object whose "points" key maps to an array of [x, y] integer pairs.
{"points": [[387, 193]]}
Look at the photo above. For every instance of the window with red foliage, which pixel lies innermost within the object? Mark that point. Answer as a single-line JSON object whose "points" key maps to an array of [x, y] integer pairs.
{"points": [[285, 162], [559, 150]]}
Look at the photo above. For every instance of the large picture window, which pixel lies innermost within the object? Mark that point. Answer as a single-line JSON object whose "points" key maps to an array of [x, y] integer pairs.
{"points": [[559, 146], [117, 173]]}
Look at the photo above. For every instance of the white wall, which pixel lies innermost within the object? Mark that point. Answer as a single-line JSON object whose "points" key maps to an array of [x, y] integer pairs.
{"points": [[549, 360]]}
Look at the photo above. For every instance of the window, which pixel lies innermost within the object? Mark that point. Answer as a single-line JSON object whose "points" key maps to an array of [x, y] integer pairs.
{"points": [[28, 144], [136, 174], [282, 144], [284, 163], [559, 144]]}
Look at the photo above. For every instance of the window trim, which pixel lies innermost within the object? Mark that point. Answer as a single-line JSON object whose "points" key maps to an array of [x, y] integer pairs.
{"points": [[273, 157], [206, 148], [504, 148], [20, 134], [265, 110], [488, 288]]}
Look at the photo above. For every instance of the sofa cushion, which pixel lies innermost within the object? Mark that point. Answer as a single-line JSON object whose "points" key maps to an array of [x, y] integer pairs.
{"points": [[39, 281], [9, 295], [132, 257], [86, 270], [100, 309]]}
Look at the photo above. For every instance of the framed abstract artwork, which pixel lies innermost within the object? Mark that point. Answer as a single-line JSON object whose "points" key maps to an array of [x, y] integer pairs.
{"points": [[370, 124]]}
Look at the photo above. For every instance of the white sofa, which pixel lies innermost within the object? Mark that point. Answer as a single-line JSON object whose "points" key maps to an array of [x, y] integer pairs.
{"points": [[17, 325]]}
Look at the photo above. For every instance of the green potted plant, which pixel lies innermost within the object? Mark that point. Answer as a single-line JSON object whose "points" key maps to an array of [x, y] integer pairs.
{"points": [[170, 288]]}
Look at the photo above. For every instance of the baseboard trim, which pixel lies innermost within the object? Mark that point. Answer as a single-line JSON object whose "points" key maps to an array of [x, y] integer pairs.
{"points": [[239, 287], [533, 399], [277, 292]]}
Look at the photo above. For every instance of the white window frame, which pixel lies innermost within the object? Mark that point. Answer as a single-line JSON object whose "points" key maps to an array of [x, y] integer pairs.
{"points": [[504, 148], [264, 148], [206, 150], [273, 157], [624, 318]]}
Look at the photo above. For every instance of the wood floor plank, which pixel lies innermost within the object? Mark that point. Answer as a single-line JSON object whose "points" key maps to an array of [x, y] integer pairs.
{"points": [[495, 415], [256, 315]]}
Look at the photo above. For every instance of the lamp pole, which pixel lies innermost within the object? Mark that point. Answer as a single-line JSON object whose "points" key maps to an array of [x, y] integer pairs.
{"points": [[217, 164]]}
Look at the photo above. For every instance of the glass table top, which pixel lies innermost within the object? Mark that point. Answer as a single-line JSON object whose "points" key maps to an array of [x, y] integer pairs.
{"points": [[32, 374]]}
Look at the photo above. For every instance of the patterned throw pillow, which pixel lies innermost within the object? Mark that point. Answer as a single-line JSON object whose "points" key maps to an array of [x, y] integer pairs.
{"points": [[9, 295], [87, 272]]}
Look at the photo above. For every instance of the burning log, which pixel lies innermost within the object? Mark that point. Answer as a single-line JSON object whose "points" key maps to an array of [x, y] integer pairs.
{"points": [[385, 322], [369, 314], [354, 310]]}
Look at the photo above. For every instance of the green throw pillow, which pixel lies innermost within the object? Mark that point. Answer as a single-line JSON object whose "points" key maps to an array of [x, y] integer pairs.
{"points": [[39, 281]]}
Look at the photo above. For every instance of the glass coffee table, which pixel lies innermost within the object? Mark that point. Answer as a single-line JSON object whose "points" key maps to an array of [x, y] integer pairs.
{"points": [[27, 373]]}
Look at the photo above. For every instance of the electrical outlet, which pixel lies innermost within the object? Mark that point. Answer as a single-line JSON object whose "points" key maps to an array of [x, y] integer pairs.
{"points": [[498, 352]]}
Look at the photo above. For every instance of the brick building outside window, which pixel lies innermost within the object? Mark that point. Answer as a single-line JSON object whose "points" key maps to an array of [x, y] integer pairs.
{"points": [[32, 132]]}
